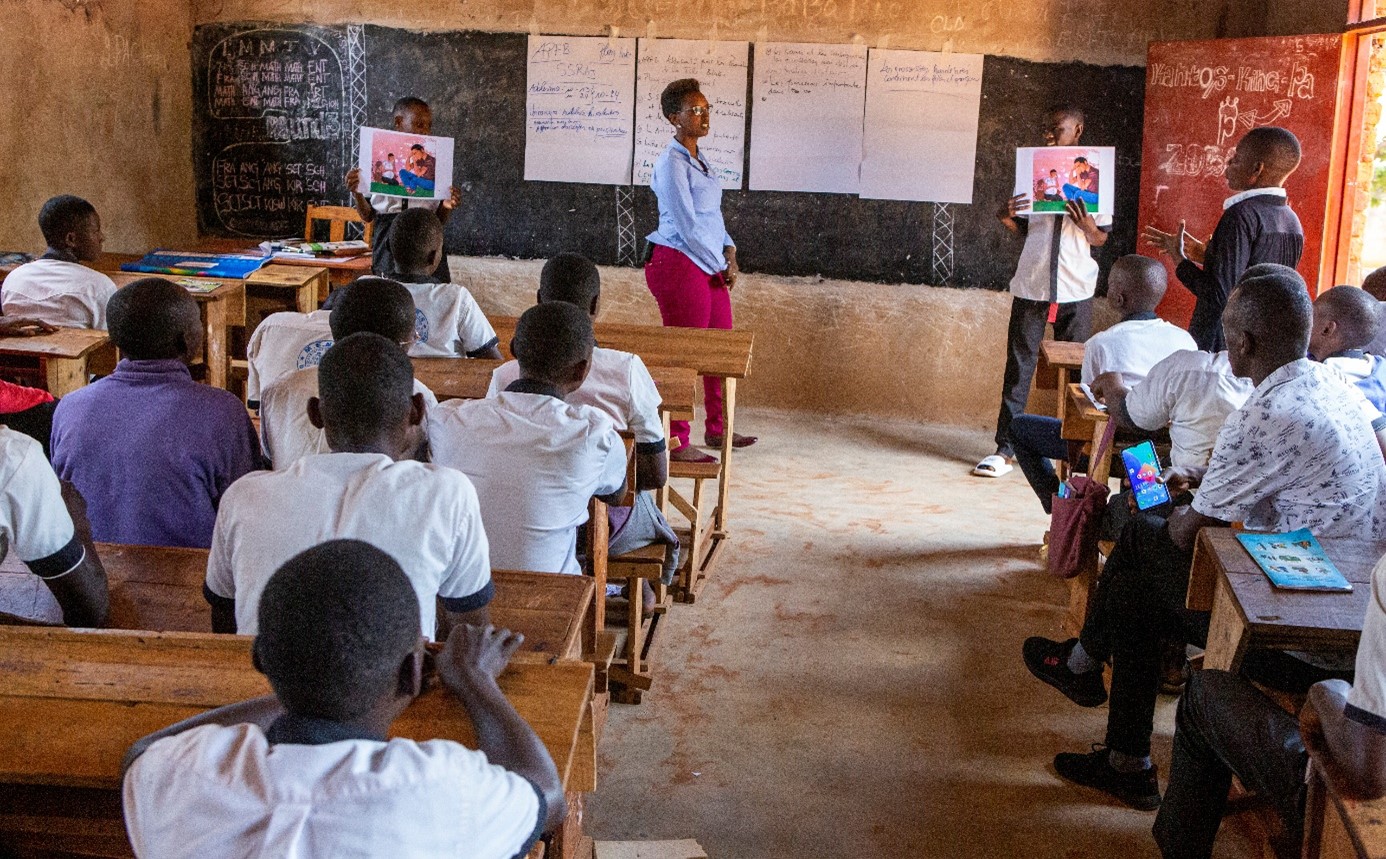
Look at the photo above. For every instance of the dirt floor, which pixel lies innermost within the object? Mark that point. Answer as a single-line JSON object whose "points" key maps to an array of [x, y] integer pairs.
{"points": [[850, 683]]}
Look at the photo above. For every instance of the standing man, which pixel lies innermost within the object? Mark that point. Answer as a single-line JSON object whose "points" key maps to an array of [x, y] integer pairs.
{"points": [[1054, 282]]}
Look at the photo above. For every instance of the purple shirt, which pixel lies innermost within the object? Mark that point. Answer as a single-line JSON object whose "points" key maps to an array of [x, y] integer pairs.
{"points": [[152, 452]]}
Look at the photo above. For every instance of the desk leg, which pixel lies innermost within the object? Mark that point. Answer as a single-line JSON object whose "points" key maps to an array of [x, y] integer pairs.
{"points": [[662, 494], [1061, 408], [719, 515], [214, 342], [1228, 635], [64, 375], [1099, 471], [306, 297]]}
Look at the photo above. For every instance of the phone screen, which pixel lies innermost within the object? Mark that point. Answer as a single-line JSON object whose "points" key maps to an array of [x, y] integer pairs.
{"points": [[1143, 470]]}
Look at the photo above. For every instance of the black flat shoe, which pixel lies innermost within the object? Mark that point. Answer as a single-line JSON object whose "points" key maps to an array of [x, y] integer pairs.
{"points": [[1048, 660]]}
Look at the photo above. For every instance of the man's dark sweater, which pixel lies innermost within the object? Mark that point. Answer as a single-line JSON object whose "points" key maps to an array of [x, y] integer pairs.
{"points": [[1258, 229]]}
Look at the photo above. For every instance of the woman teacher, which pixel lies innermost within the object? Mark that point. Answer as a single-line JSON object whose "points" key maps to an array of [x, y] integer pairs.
{"points": [[693, 265]]}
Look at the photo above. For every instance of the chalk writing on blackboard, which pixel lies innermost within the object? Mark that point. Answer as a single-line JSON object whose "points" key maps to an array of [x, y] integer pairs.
{"points": [[277, 101]]}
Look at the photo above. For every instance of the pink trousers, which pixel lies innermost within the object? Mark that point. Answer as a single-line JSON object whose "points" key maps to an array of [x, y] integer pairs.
{"points": [[689, 297]]}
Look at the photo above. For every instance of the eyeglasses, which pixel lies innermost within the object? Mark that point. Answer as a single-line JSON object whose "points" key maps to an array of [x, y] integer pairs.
{"points": [[698, 111]]}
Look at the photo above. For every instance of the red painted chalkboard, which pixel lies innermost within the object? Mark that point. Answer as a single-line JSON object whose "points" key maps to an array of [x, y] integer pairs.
{"points": [[1200, 98]]}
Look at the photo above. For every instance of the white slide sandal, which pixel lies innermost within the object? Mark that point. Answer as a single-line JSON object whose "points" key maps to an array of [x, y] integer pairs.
{"points": [[993, 466]]}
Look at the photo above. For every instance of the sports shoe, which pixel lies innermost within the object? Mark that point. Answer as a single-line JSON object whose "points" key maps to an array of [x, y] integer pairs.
{"points": [[1140, 790], [1048, 660]]}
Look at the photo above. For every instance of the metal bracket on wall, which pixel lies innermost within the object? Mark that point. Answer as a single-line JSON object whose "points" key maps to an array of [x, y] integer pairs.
{"points": [[626, 244], [356, 101], [942, 244]]}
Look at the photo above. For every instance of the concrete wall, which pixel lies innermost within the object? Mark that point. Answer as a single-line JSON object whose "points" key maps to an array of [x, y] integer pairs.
{"points": [[97, 100]]}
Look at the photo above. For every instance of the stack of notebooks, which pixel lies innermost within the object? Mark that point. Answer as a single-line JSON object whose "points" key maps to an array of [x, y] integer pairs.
{"points": [[233, 266], [309, 250]]}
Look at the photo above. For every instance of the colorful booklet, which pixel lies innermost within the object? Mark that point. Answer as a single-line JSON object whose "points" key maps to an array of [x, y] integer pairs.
{"points": [[1294, 561], [235, 266]]}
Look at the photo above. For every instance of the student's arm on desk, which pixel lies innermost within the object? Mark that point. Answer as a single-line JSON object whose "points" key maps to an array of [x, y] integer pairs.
{"points": [[1353, 754], [260, 711], [651, 469], [1112, 392], [81, 592], [468, 666]]}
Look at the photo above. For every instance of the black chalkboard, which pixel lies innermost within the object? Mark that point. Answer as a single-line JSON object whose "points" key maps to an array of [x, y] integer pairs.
{"points": [[476, 84]]}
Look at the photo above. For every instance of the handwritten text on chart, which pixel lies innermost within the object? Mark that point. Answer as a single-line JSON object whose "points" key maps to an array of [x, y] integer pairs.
{"points": [[579, 104], [721, 67]]}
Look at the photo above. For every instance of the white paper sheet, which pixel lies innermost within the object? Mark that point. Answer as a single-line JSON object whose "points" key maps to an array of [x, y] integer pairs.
{"points": [[721, 69], [1052, 175], [580, 109], [921, 126], [806, 119]]}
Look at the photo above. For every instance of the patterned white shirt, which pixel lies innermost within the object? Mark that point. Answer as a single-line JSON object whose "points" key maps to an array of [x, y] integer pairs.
{"points": [[1300, 453]]}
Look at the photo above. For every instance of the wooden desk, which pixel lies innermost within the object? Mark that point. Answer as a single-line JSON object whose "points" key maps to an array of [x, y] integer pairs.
{"points": [[1058, 361], [470, 378], [301, 284], [1082, 421], [340, 270], [104, 689], [160, 589], [221, 309], [1248, 612], [60, 358]]}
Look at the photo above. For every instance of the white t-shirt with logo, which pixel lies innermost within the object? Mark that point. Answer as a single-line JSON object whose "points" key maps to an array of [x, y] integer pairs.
{"points": [[215, 791], [286, 434], [617, 384], [447, 321], [283, 343], [536, 462], [424, 516], [58, 292]]}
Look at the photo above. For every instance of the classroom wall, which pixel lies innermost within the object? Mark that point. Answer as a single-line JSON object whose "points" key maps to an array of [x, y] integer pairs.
{"points": [[97, 100]]}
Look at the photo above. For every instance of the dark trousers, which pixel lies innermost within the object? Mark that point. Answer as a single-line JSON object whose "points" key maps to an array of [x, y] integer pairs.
{"points": [[1035, 440], [1139, 605], [1026, 330], [383, 262], [1225, 727]]}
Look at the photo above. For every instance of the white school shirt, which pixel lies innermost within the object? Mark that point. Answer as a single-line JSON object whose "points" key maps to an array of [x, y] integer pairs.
{"points": [[617, 384], [1074, 268], [1366, 703], [1192, 393], [448, 323], [34, 521], [215, 792], [1131, 348], [1300, 453], [57, 292], [536, 462], [286, 434], [283, 343], [424, 516]]}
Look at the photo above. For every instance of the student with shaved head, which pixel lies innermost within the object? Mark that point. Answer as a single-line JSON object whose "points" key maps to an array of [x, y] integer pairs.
{"points": [[1257, 226], [1345, 323], [1130, 348], [152, 451], [1300, 453]]}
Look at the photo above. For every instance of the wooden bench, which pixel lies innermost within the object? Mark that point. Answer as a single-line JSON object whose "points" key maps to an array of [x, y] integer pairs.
{"points": [[60, 362], [108, 688], [221, 309], [1082, 421], [160, 589], [716, 353], [1340, 827]]}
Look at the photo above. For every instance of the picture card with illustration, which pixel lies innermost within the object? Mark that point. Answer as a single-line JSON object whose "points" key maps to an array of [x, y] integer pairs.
{"points": [[397, 164], [1052, 176]]}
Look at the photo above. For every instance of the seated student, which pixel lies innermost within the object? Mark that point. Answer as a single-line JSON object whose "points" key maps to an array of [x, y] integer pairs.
{"points": [[371, 304], [1131, 347], [152, 451], [1374, 285], [56, 288], [1298, 454], [424, 515], [618, 385], [1345, 322], [48, 529], [448, 321], [284, 343], [1225, 726], [309, 771], [536, 460], [1257, 226]]}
